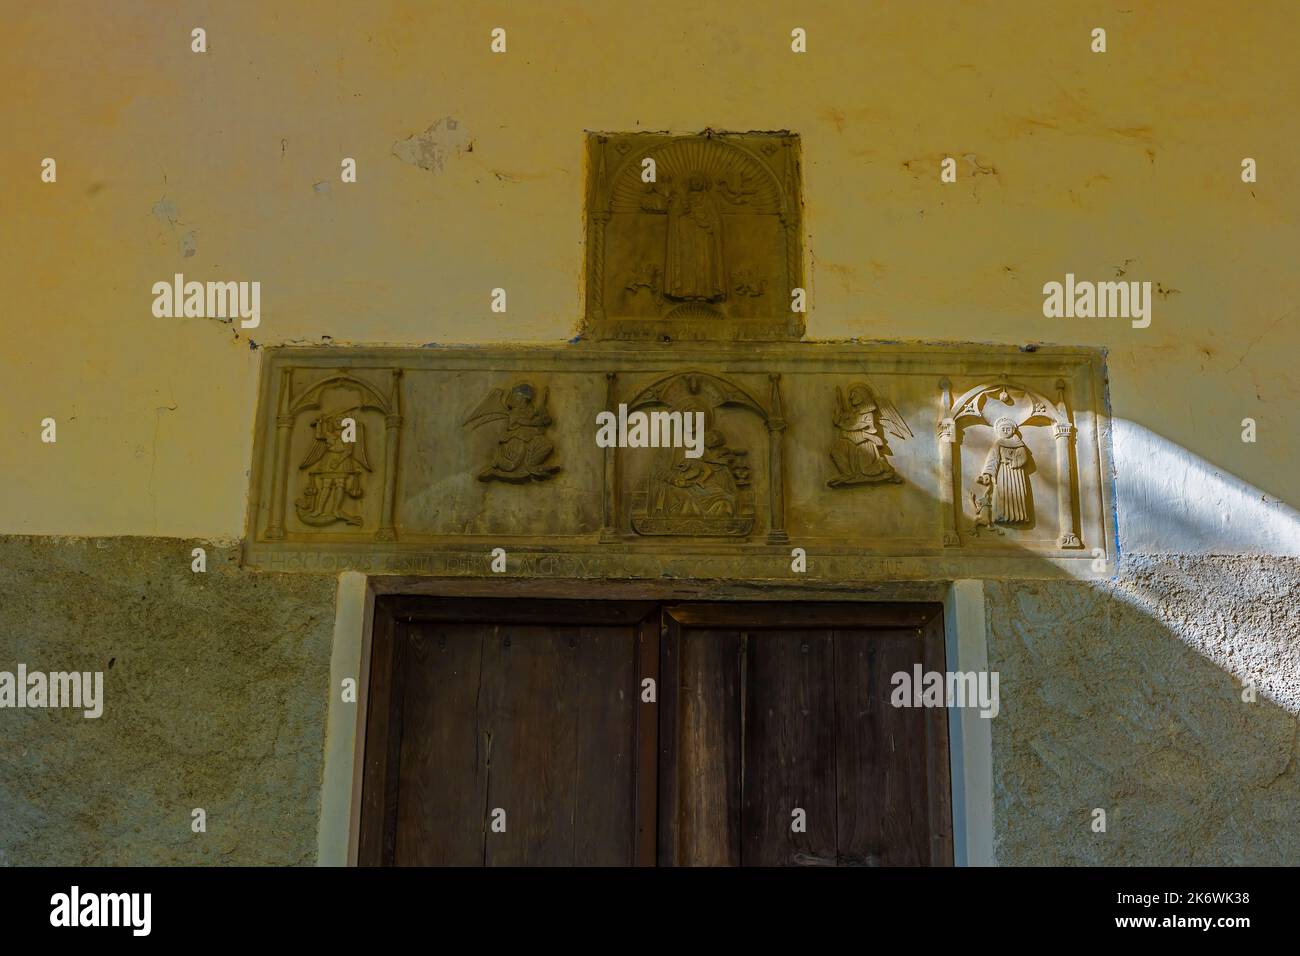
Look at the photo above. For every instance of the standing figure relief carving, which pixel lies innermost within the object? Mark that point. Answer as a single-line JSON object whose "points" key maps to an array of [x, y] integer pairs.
{"points": [[1002, 494], [860, 451], [693, 259], [695, 236], [335, 466], [522, 450]]}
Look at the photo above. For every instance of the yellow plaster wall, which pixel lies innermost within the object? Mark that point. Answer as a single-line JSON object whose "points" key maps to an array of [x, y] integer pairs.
{"points": [[1091, 162]]}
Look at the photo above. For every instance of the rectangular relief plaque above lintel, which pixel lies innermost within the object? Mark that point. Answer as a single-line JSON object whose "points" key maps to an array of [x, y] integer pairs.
{"points": [[875, 460], [694, 237]]}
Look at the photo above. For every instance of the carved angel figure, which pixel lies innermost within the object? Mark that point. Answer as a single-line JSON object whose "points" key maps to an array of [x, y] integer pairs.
{"points": [[860, 451], [1004, 475], [523, 448], [334, 469]]}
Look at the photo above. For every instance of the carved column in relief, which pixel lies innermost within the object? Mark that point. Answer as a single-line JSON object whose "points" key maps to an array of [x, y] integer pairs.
{"points": [[280, 459], [609, 524], [598, 220], [392, 430], [947, 447], [1063, 432], [776, 466]]}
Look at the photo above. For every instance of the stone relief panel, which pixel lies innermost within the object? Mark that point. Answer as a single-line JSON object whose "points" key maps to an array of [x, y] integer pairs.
{"points": [[410, 452], [693, 237], [1017, 447], [485, 458], [676, 493], [329, 428], [860, 451], [523, 449]]}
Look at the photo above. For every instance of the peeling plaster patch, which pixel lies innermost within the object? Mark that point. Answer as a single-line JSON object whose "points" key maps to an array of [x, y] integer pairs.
{"points": [[430, 149], [188, 246], [1166, 293], [977, 167], [164, 211], [321, 188]]}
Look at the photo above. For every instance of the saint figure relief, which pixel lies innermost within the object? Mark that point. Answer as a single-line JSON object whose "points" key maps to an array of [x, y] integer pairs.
{"points": [[523, 447], [704, 487], [1003, 493], [335, 465], [694, 264], [860, 450]]}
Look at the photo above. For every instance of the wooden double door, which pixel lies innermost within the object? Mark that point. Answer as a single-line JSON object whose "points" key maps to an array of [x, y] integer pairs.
{"points": [[610, 733]]}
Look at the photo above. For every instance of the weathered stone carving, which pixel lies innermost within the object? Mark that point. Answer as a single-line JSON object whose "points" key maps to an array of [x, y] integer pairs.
{"points": [[334, 468], [860, 451], [1001, 495], [523, 448], [709, 248], [632, 511], [696, 496]]}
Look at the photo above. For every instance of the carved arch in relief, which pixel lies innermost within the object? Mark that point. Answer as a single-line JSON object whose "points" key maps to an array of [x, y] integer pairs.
{"points": [[292, 407], [991, 405], [680, 158], [704, 497]]}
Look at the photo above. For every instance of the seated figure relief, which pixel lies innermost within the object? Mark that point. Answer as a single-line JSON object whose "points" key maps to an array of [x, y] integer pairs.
{"points": [[522, 450], [860, 451]]}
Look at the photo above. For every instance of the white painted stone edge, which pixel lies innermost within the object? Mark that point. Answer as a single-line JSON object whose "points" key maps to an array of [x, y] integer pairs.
{"points": [[970, 736], [340, 807]]}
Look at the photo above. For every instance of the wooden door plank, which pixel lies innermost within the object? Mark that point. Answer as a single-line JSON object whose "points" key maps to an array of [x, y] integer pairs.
{"points": [[759, 615], [939, 782], [708, 768], [522, 610], [900, 746], [530, 727], [789, 749], [606, 755], [670, 678], [645, 822], [440, 780]]}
